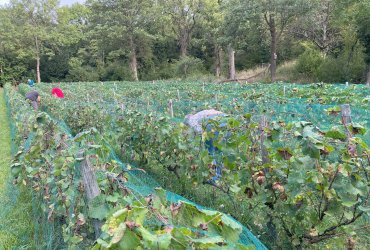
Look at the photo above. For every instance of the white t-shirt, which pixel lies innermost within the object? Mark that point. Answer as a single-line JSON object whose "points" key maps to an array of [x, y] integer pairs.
{"points": [[195, 121]]}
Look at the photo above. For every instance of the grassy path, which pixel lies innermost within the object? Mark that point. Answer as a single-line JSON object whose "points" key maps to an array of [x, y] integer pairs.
{"points": [[15, 205]]}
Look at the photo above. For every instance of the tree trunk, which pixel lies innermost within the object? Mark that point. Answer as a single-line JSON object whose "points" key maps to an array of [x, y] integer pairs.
{"points": [[218, 59], [183, 43], [324, 39], [325, 25], [38, 76], [133, 60], [368, 78], [273, 47], [231, 53]]}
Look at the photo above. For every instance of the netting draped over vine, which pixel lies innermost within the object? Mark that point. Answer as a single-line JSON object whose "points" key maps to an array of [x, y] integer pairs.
{"points": [[59, 206], [277, 101], [303, 145]]}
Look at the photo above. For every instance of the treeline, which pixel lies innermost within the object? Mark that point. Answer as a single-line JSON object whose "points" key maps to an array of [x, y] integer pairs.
{"points": [[104, 40]]}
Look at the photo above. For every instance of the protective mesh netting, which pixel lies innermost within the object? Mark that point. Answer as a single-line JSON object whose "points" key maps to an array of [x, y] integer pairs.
{"points": [[286, 102], [47, 232], [111, 99]]}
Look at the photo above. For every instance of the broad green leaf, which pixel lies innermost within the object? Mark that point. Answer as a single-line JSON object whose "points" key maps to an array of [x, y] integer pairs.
{"points": [[118, 233], [120, 212], [231, 229], [235, 188], [357, 128], [113, 198], [155, 241], [348, 203], [16, 169], [130, 241], [364, 209], [99, 212], [161, 193], [336, 134], [209, 241]]}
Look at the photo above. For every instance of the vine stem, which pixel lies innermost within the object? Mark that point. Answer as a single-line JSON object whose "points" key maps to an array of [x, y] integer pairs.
{"points": [[219, 215]]}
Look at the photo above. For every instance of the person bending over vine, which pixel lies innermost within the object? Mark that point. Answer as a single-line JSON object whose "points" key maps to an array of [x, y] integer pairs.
{"points": [[195, 121], [34, 99]]}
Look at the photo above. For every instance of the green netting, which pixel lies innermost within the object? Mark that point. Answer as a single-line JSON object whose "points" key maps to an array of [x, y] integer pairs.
{"points": [[110, 101], [48, 233], [143, 185], [43, 234], [12, 196], [286, 102]]}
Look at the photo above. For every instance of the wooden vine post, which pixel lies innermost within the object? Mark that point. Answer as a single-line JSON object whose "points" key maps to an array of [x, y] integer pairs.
{"points": [[346, 117], [263, 124], [114, 95], [91, 186], [217, 96], [170, 108]]}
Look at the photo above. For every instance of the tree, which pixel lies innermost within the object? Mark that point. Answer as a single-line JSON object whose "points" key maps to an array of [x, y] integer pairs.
{"points": [[278, 14], [331, 26], [245, 19], [235, 17], [122, 21], [321, 25], [241, 26], [35, 21], [12, 67], [363, 26], [210, 31], [184, 15], [69, 36]]}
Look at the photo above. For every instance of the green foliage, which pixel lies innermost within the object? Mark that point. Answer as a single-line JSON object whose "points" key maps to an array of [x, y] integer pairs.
{"points": [[297, 198], [188, 66], [309, 63], [363, 23], [115, 71], [341, 70], [110, 38], [349, 66], [83, 73], [50, 165], [125, 227], [16, 226]]}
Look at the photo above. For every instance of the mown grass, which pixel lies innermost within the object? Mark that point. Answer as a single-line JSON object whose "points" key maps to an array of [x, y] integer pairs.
{"points": [[16, 226]]}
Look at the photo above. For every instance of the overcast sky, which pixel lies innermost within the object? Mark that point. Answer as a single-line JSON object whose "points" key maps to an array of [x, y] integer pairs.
{"points": [[62, 2]]}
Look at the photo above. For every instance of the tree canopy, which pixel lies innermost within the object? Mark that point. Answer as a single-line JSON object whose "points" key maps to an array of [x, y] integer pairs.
{"points": [[146, 39]]}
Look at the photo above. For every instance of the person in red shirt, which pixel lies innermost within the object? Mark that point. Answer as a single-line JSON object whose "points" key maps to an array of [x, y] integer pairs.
{"points": [[57, 92]]}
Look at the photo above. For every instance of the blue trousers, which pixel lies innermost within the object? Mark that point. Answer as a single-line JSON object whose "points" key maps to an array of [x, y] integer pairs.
{"points": [[215, 153]]}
